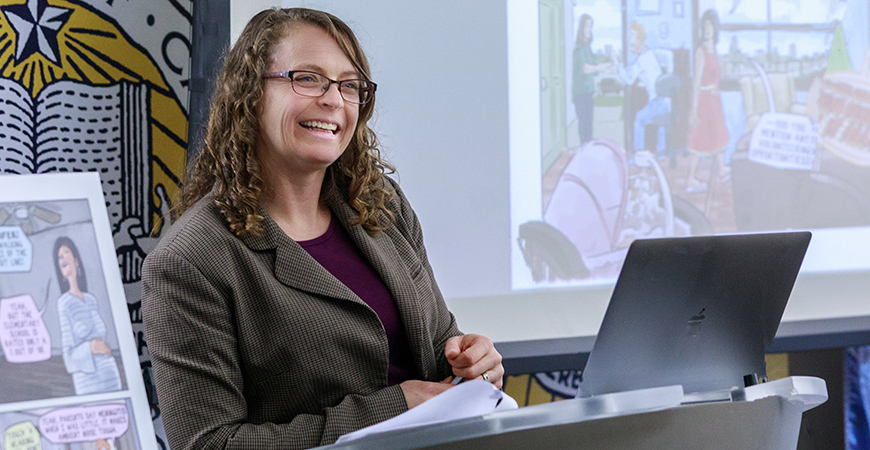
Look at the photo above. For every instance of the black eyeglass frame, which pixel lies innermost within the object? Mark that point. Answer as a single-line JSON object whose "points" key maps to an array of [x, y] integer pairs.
{"points": [[368, 91]]}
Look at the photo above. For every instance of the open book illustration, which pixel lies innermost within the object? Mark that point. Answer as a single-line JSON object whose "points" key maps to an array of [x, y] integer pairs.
{"points": [[469, 399], [74, 127], [71, 126]]}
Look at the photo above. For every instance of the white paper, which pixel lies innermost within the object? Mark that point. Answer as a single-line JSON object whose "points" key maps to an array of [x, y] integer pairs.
{"points": [[469, 399]]}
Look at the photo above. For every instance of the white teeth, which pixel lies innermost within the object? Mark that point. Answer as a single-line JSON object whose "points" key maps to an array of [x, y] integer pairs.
{"points": [[321, 125]]}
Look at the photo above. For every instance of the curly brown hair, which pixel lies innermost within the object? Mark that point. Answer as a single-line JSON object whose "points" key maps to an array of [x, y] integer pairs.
{"points": [[228, 163]]}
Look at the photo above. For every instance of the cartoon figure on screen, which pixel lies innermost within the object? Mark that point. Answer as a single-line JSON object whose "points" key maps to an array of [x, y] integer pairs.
{"points": [[707, 133], [86, 354], [649, 64], [583, 86]]}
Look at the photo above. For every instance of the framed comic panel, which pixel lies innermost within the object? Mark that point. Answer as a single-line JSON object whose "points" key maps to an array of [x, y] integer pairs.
{"points": [[69, 366]]}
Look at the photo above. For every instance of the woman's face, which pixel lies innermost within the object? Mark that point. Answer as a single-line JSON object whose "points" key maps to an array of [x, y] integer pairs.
{"points": [[587, 29], [302, 135], [708, 30], [67, 262], [635, 43]]}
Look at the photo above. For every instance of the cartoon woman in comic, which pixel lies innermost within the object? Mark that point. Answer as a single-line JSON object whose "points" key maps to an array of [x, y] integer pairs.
{"points": [[86, 354], [583, 84], [708, 134]]}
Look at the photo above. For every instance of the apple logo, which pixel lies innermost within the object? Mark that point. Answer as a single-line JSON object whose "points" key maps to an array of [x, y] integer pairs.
{"points": [[693, 327]]}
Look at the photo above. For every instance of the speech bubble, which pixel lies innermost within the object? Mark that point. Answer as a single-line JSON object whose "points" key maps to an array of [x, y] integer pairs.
{"points": [[785, 141], [24, 337], [16, 251], [22, 436], [85, 423]]}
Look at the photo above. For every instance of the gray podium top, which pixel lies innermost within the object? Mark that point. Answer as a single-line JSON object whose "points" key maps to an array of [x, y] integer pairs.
{"points": [[765, 416]]}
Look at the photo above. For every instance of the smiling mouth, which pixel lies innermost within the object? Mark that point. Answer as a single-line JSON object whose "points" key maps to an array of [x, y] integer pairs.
{"points": [[320, 126]]}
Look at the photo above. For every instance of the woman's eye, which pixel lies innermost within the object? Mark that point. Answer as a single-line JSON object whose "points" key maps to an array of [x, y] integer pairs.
{"points": [[354, 85], [305, 78]]}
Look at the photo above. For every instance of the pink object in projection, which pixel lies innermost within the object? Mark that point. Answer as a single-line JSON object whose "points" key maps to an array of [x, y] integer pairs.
{"points": [[24, 337]]}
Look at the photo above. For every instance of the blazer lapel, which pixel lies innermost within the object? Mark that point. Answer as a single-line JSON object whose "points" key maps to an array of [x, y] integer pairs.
{"points": [[380, 251], [294, 267]]}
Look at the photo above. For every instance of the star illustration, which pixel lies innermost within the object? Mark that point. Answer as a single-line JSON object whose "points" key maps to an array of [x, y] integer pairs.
{"points": [[36, 26]]}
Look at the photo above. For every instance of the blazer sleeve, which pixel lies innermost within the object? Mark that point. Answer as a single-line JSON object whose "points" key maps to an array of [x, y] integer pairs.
{"points": [[445, 325], [192, 341]]}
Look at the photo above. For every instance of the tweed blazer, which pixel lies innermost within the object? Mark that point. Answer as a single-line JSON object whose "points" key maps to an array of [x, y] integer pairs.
{"points": [[255, 345]]}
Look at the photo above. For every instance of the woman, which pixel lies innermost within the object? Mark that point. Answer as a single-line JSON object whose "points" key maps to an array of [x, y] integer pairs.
{"points": [[708, 134], [293, 302], [86, 354], [583, 86]]}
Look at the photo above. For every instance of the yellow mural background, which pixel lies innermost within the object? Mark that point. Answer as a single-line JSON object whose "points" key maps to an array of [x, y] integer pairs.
{"points": [[527, 391], [94, 51]]}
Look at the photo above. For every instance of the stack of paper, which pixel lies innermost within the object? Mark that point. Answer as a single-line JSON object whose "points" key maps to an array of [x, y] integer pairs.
{"points": [[469, 399]]}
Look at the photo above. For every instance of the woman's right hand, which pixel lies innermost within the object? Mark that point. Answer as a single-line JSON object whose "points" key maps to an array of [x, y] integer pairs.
{"points": [[100, 347], [417, 391]]}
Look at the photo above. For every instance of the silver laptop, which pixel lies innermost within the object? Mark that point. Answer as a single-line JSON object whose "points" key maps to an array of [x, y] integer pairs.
{"points": [[696, 311]]}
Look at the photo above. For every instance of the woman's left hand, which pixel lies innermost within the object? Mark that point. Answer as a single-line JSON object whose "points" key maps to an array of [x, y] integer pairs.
{"points": [[100, 347], [472, 356]]}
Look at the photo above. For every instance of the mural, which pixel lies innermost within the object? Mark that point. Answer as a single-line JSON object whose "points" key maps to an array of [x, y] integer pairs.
{"points": [[101, 86], [544, 387]]}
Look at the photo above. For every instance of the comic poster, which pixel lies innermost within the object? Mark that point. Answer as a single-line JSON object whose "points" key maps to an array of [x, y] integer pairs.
{"points": [[68, 362]]}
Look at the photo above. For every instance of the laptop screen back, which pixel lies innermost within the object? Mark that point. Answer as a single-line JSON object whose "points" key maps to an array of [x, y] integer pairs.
{"points": [[695, 311]]}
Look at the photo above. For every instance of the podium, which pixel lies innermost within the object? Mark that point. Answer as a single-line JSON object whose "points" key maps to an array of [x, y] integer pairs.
{"points": [[764, 416]]}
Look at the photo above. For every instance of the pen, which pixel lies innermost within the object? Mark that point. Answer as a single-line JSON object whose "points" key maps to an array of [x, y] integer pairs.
{"points": [[457, 380]]}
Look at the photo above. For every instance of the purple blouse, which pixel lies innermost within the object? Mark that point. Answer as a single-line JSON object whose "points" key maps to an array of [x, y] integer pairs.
{"points": [[336, 252]]}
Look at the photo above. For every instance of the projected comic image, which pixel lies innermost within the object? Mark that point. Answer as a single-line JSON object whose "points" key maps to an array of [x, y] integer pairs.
{"points": [[684, 118]]}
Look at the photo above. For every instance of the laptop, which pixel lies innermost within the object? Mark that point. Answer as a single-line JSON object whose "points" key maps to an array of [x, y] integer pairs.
{"points": [[694, 311]]}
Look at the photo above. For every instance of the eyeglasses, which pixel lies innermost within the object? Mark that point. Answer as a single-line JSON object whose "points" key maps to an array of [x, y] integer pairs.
{"points": [[313, 84]]}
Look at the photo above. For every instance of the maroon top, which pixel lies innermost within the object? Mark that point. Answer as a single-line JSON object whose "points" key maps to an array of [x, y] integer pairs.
{"points": [[336, 252]]}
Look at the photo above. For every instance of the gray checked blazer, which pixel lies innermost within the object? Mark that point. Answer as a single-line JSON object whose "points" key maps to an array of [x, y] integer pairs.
{"points": [[255, 345]]}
